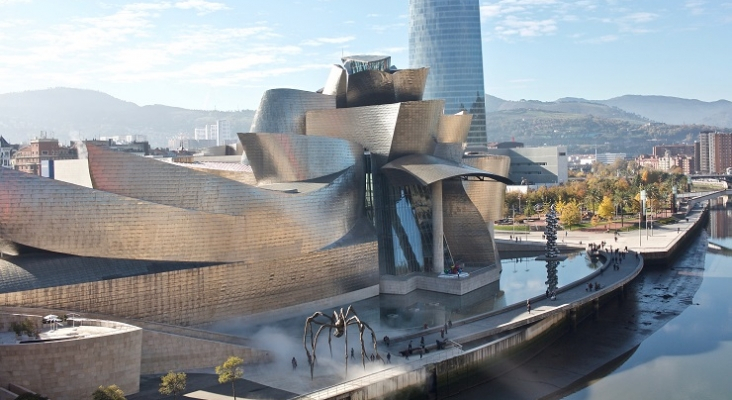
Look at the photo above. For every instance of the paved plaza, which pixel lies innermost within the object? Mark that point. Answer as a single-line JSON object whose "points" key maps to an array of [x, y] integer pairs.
{"points": [[279, 377]]}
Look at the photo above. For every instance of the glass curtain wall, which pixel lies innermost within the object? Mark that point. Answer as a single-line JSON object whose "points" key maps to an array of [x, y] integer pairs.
{"points": [[444, 35], [406, 231]]}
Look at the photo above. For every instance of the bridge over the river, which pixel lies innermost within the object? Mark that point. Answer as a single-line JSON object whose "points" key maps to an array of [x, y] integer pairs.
{"points": [[698, 197]]}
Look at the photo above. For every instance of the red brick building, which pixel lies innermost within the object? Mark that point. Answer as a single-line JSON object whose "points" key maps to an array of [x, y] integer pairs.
{"points": [[29, 158]]}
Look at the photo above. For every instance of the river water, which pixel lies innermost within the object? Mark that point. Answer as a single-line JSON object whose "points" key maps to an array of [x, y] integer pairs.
{"points": [[690, 357], [670, 339]]}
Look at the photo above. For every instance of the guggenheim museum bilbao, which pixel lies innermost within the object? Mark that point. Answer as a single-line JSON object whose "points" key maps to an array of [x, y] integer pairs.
{"points": [[357, 189]]}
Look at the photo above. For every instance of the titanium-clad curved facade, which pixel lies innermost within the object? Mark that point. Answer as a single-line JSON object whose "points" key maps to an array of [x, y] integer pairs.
{"points": [[444, 35], [336, 192], [388, 131], [282, 157], [94, 223], [488, 196], [283, 110], [336, 85], [374, 87]]}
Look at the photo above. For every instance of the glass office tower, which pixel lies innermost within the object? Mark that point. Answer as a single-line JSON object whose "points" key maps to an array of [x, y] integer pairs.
{"points": [[444, 35]]}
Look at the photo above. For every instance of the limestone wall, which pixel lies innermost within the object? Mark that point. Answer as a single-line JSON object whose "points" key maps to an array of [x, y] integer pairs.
{"points": [[199, 295], [163, 352], [72, 369]]}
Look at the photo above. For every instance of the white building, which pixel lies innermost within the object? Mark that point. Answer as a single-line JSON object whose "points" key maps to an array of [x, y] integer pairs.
{"points": [[534, 165], [218, 132], [6, 153]]}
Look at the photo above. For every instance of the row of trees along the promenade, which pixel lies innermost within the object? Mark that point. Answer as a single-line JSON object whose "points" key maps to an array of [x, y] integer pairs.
{"points": [[172, 383], [605, 192]]}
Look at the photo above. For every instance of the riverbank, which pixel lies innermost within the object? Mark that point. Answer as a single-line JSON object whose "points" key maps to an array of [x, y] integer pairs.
{"points": [[575, 300], [493, 336]]}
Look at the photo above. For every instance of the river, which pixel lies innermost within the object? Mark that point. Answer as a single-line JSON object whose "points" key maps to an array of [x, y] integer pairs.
{"points": [[671, 338]]}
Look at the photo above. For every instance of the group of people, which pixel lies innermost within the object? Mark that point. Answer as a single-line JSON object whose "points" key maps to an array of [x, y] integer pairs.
{"points": [[617, 257]]}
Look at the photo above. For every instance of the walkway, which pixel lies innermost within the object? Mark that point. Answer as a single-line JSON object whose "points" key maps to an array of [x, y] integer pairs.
{"points": [[482, 326]]}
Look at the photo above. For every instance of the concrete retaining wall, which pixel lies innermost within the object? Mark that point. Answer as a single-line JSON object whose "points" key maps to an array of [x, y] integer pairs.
{"points": [[163, 352], [402, 285], [385, 384]]}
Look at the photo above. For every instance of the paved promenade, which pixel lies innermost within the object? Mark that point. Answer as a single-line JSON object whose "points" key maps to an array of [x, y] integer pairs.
{"points": [[472, 330]]}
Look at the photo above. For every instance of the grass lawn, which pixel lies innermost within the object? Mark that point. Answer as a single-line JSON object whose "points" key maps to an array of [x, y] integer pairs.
{"points": [[515, 228]]}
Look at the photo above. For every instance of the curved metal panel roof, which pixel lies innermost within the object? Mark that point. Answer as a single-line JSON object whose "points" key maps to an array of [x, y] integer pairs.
{"points": [[283, 110], [426, 169], [279, 157]]}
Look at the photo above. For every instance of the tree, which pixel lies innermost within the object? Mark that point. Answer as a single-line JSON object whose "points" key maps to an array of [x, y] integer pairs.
{"points": [[230, 371], [571, 214], [173, 383], [112, 392], [529, 208], [606, 208]]}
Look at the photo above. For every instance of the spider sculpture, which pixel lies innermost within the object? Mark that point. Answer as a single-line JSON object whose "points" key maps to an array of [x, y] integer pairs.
{"points": [[338, 325]]}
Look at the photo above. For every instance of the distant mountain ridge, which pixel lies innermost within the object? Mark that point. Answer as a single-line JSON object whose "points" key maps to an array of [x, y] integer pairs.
{"points": [[67, 114], [78, 113], [674, 110], [664, 109]]}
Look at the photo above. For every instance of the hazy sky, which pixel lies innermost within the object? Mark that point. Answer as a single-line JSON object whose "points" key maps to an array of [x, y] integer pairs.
{"points": [[223, 54]]}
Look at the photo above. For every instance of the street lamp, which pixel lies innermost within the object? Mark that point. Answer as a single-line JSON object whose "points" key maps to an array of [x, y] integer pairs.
{"points": [[640, 216]]}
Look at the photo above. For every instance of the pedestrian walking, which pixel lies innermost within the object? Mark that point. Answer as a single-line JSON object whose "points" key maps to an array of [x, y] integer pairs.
{"points": [[294, 363], [388, 358], [353, 357], [528, 306]]}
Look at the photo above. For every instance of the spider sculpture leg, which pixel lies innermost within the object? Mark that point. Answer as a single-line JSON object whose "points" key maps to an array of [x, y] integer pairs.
{"points": [[362, 326], [354, 320], [345, 334], [314, 337]]}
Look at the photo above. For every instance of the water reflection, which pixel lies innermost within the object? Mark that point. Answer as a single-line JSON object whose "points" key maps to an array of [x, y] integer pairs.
{"points": [[521, 279], [691, 355]]}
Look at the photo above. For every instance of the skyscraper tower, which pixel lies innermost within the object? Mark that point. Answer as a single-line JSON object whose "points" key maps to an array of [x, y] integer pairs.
{"points": [[444, 35]]}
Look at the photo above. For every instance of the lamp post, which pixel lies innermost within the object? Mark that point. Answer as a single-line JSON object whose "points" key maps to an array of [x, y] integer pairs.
{"points": [[519, 198], [640, 216]]}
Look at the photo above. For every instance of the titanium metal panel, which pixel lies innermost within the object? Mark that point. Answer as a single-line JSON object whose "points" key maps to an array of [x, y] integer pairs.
{"points": [[451, 135], [416, 128], [336, 85], [466, 233], [450, 151], [369, 88], [454, 128], [371, 127], [357, 63], [288, 158], [488, 196], [283, 110], [409, 83], [445, 35], [42, 270], [426, 169], [69, 219], [387, 131]]}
